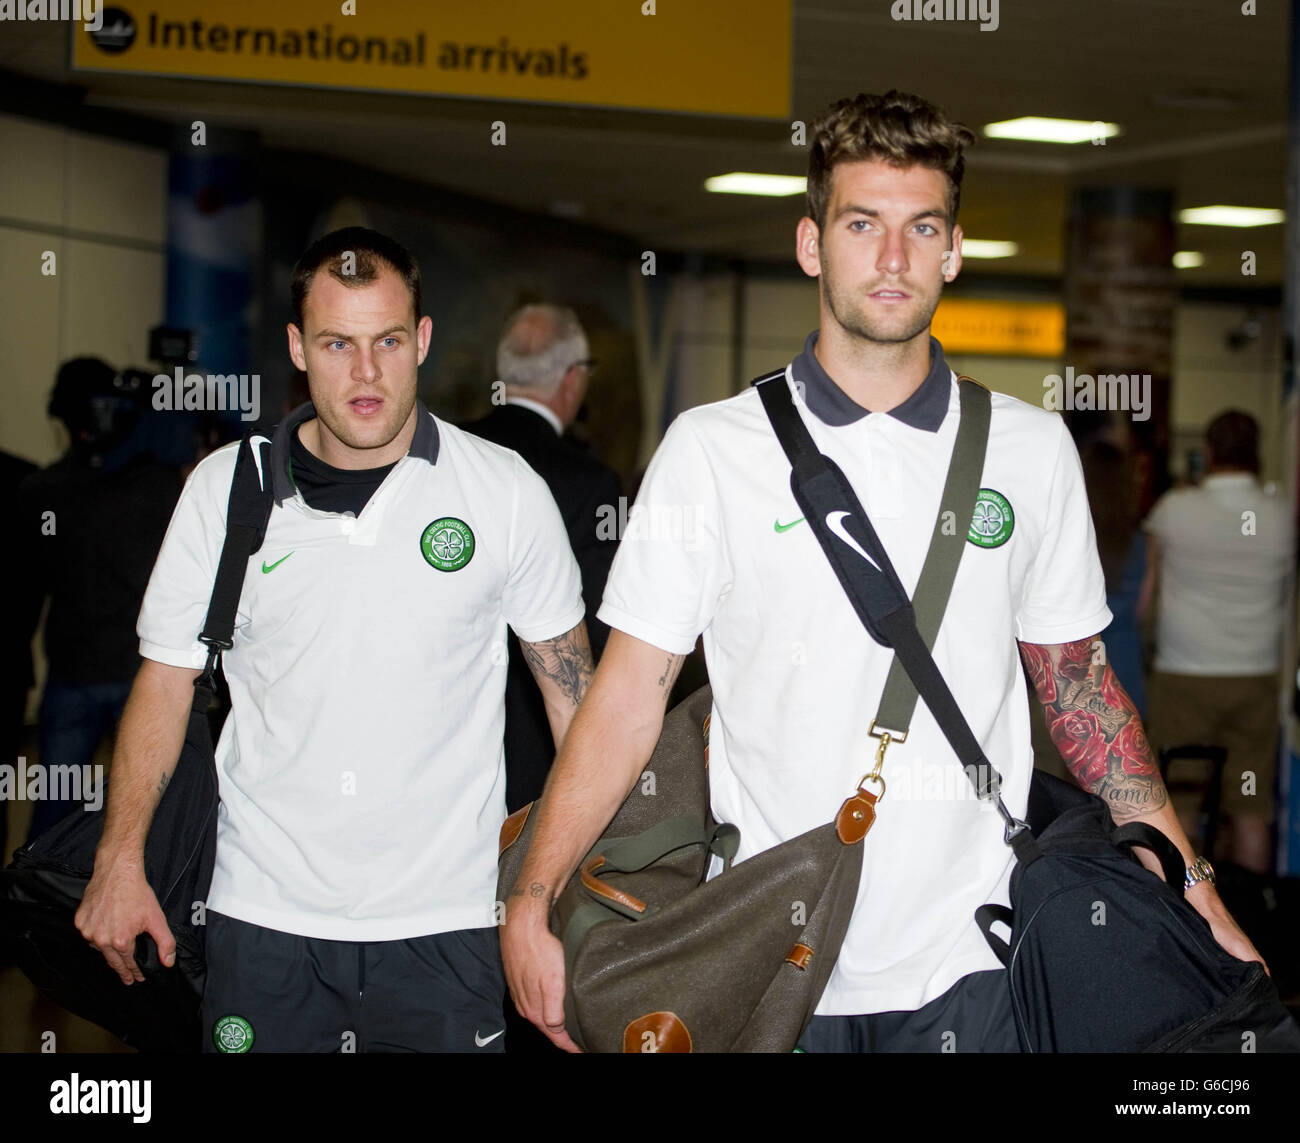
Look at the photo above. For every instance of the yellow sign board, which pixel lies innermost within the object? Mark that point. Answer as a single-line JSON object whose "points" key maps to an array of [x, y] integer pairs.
{"points": [[721, 57], [1001, 329]]}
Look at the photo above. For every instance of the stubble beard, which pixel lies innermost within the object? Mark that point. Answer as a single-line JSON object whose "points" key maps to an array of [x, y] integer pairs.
{"points": [[343, 432], [853, 319]]}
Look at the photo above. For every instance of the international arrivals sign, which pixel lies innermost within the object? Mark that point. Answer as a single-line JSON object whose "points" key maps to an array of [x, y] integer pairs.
{"points": [[720, 57]]}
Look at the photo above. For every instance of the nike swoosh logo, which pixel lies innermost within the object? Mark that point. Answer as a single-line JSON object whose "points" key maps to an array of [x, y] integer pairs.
{"points": [[271, 567], [257, 458], [480, 1041], [786, 527], [835, 522]]}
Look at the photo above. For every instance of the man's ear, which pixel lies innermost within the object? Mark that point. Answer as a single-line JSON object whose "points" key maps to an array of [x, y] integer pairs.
{"points": [[423, 336], [295, 346], [952, 257], [807, 247], [571, 386]]}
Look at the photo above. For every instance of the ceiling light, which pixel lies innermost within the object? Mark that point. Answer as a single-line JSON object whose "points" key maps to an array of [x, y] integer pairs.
{"points": [[746, 182], [1188, 259], [1036, 129], [1231, 216], [987, 248]]}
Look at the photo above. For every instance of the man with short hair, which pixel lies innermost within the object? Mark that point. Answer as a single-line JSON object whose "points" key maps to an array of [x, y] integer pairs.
{"points": [[796, 678], [362, 787], [1222, 554], [545, 364]]}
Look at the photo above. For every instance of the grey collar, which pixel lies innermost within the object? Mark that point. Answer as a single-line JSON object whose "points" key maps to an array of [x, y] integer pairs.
{"points": [[423, 445], [924, 409]]}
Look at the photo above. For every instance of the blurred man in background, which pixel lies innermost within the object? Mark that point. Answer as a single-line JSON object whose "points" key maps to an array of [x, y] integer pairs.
{"points": [[1221, 553], [92, 524], [16, 629], [544, 362], [1112, 496]]}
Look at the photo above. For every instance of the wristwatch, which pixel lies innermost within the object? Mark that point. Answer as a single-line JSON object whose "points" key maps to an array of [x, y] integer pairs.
{"points": [[1199, 870]]}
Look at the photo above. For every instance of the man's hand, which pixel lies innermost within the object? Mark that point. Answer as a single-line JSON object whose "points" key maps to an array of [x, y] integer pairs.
{"points": [[534, 965], [117, 906], [1205, 899], [612, 735]]}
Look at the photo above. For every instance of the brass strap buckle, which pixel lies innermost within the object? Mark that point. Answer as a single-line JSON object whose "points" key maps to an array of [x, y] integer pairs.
{"points": [[886, 737]]}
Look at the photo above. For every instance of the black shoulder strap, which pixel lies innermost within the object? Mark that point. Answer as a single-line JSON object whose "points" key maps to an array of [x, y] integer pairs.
{"points": [[247, 513], [830, 506], [862, 566]]}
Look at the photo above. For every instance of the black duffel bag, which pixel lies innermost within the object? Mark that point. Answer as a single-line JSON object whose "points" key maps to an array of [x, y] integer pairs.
{"points": [[1104, 956], [41, 889], [1151, 977]]}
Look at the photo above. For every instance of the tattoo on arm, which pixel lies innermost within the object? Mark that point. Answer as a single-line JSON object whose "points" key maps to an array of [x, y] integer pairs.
{"points": [[565, 660], [535, 890], [162, 783], [672, 668], [1095, 726]]}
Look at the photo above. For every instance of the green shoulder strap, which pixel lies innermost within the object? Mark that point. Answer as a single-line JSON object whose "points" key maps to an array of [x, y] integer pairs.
{"points": [[898, 702]]}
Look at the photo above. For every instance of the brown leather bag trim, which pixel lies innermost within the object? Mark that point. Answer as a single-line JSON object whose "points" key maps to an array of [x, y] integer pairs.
{"points": [[799, 956], [856, 817], [511, 828], [608, 891], [670, 1034]]}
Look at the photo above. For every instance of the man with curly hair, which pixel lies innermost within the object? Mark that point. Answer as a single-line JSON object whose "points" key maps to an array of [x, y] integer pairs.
{"points": [[796, 679]]}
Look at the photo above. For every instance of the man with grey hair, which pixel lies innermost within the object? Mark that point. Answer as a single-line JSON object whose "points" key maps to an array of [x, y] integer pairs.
{"points": [[544, 361]]}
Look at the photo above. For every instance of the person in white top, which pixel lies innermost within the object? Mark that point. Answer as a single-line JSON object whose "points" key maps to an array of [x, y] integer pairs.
{"points": [[361, 771], [796, 678], [1222, 555]]}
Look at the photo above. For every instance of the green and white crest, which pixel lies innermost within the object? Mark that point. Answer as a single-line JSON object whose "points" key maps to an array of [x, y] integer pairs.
{"points": [[232, 1035], [993, 520], [447, 544]]}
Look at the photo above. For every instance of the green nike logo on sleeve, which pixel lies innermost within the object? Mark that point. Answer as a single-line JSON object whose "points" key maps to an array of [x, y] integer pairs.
{"points": [[271, 567], [778, 526]]}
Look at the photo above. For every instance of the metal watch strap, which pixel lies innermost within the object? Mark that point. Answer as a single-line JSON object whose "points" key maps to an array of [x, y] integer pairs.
{"points": [[1199, 870]]}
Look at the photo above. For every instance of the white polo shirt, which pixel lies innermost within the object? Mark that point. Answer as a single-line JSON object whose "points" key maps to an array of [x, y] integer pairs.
{"points": [[797, 680], [1225, 553], [361, 769]]}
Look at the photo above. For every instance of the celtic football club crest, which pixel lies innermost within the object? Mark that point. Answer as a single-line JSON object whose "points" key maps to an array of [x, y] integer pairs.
{"points": [[447, 544], [232, 1035], [992, 521]]}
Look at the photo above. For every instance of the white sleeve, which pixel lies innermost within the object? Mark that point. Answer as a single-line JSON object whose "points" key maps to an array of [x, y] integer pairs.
{"points": [[1065, 591], [543, 591], [671, 567], [1157, 521], [180, 585]]}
